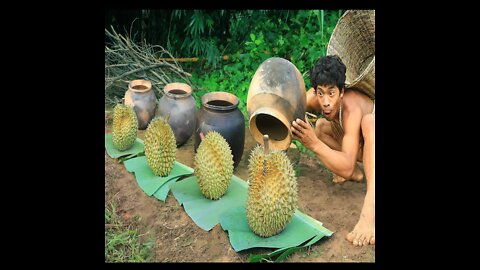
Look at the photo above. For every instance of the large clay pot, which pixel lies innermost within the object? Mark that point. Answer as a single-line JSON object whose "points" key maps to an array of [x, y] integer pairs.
{"points": [[178, 105], [275, 98], [141, 97], [220, 112]]}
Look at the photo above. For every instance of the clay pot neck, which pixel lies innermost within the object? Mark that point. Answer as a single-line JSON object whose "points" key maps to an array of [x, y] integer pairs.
{"points": [[220, 101]]}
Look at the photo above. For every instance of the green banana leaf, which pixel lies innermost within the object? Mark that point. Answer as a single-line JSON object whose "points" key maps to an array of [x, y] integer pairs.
{"points": [[284, 252], [205, 212], [162, 192], [298, 231], [151, 184], [229, 211], [136, 148]]}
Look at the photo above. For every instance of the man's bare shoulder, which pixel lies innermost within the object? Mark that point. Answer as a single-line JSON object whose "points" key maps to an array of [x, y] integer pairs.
{"points": [[355, 100]]}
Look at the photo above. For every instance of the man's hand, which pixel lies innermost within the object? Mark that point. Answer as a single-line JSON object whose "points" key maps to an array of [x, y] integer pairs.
{"points": [[304, 132]]}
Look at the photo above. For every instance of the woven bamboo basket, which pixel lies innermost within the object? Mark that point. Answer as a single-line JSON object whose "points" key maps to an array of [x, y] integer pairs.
{"points": [[353, 40]]}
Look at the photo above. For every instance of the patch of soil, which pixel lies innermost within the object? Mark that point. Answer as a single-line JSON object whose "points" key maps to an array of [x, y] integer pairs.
{"points": [[178, 239]]}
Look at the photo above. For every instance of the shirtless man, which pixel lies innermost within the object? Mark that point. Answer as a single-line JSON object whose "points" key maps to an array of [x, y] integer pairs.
{"points": [[346, 135]]}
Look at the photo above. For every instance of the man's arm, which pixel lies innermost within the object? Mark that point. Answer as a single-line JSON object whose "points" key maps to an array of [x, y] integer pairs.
{"points": [[343, 162]]}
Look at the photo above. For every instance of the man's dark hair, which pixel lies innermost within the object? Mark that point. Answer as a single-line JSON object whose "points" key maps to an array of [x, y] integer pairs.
{"points": [[328, 70]]}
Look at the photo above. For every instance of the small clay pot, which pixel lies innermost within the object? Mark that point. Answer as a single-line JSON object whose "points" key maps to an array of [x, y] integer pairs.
{"points": [[178, 105], [141, 97]]}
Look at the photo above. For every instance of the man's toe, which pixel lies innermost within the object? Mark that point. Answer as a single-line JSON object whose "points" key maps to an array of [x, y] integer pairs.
{"points": [[350, 236], [365, 241]]}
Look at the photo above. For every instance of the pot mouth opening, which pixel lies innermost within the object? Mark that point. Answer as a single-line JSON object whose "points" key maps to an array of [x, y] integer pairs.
{"points": [[220, 101], [177, 93], [271, 126], [268, 121], [140, 85], [177, 90]]}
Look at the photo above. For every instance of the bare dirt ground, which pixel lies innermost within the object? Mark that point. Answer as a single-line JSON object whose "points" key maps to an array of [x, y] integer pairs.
{"points": [[178, 239]]}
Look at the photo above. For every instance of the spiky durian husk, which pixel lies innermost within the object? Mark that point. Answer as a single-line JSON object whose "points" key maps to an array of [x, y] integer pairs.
{"points": [[125, 126], [213, 165], [160, 147], [272, 192]]}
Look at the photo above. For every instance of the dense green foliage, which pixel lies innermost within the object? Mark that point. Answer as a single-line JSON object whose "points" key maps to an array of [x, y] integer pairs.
{"points": [[302, 39], [248, 37]]}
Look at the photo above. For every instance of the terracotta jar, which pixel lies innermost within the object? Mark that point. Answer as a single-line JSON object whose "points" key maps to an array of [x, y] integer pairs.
{"points": [[178, 105], [276, 97], [141, 97], [220, 112]]}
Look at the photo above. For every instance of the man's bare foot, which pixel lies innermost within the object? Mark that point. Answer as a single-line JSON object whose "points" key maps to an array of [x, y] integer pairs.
{"points": [[364, 232], [357, 176], [338, 179]]}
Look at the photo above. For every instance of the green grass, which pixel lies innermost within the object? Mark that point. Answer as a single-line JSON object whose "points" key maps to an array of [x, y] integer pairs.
{"points": [[311, 252], [122, 239]]}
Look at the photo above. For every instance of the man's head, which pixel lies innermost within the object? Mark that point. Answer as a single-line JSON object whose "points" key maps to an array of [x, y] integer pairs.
{"points": [[328, 82]]}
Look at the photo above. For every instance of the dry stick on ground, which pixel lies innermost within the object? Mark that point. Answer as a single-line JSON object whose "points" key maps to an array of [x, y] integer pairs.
{"points": [[125, 58], [136, 70], [265, 144], [265, 151], [137, 52]]}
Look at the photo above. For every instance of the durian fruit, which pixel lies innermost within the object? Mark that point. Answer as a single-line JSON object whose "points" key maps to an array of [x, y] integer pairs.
{"points": [[160, 147], [125, 126], [213, 165], [272, 192]]}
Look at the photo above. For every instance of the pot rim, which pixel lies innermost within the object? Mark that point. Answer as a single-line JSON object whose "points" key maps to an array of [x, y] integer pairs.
{"points": [[258, 136], [223, 96], [177, 86], [145, 83]]}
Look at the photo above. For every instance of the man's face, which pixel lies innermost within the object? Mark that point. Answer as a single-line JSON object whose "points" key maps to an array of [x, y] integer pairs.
{"points": [[329, 99]]}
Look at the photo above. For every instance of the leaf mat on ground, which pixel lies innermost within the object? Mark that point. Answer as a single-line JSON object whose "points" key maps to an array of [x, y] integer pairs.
{"points": [[133, 151], [155, 185], [205, 212], [229, 211], [298, 231], [284, 252]]}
